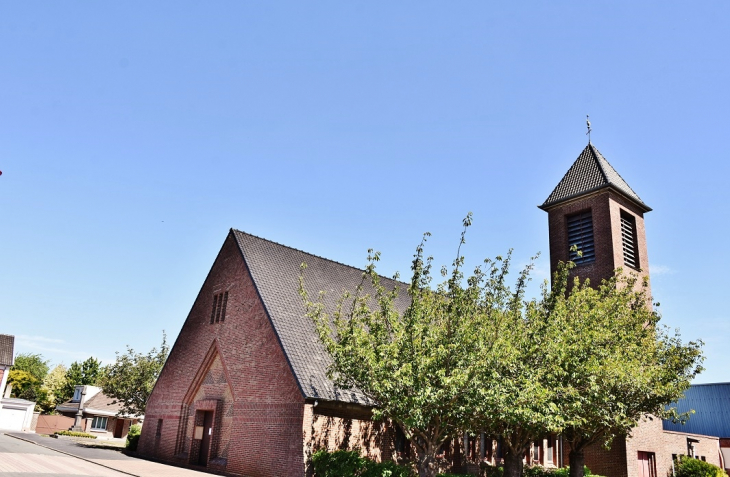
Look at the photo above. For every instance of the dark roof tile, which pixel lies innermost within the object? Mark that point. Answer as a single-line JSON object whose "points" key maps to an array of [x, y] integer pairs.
{"points": [[275, 270], [591, 171], [7, 343]]}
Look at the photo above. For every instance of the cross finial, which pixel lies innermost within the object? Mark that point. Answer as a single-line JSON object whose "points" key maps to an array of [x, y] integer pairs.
{"points": [[588, 124]]}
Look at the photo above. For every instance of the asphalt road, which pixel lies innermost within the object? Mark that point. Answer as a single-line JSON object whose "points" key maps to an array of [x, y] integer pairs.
{"points": [[72, 447], [23, 459]]}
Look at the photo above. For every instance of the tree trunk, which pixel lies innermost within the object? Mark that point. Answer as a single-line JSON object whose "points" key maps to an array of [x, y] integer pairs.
{"points": [[427, 464], [577, 461], [513, 463]]}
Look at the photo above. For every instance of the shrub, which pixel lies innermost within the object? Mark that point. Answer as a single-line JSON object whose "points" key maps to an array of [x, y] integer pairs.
{"points": [[350, 464], [689, 467], [133, 436], [492, 471], [75, 434], [454, 475], [384, 469]]}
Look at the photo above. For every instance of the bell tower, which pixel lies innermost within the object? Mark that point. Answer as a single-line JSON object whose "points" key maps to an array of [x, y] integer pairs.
{"points": [[593, 208]]}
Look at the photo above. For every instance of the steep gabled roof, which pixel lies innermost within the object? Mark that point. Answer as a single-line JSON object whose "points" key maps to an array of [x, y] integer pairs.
{"points": [[7, 343], [275, 270], [590, 172], [711, 403]]}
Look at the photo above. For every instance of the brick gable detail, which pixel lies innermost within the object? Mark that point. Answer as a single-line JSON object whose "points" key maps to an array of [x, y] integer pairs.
{"points": [[236, 369]]}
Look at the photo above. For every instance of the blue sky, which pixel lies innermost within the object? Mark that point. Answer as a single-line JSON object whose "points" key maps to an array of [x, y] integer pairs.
{"points": [[133, 135]]}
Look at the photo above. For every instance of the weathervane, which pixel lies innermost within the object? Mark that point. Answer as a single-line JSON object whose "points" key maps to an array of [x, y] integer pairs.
{"points": [[588, 123]]}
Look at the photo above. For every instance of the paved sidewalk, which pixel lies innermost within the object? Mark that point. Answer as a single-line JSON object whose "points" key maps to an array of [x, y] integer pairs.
{"points": [[24, 459], [108, 458]]}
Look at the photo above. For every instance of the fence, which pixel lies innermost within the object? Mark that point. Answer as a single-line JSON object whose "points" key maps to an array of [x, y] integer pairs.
{"points": [[50, 424]]}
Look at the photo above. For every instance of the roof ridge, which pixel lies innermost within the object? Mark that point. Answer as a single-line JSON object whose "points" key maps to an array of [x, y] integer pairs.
{"points": [[313, 255], [595, 153], [617, 173]]}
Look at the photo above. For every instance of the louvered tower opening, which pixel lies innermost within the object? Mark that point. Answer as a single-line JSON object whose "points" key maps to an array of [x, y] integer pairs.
{"points": [[580, 234], [628, 239]]}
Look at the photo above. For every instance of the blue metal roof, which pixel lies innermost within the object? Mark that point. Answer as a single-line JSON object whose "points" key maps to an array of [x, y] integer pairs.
{"points": [[711, 403]]}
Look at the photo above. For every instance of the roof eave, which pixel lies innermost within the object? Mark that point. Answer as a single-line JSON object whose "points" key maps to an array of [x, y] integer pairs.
{"points": [[547, 206]]}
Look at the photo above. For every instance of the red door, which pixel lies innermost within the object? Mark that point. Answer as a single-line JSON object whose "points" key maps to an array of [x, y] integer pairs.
{"points": [[647, 464]]}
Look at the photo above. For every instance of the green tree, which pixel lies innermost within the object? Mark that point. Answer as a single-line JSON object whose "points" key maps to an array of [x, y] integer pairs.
{"points": [[130, 379], [617, 365], [34, 364], [423, 365], [25, 385], [87, 373], [53, 386]]}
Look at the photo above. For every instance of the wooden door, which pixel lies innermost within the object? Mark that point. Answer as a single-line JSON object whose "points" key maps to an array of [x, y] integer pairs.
{"points": [[119, 428], [207, 437], [647, 464]]}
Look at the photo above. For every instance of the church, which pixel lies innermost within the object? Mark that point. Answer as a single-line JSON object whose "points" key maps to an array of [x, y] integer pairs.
{"points": [[245, 391]]}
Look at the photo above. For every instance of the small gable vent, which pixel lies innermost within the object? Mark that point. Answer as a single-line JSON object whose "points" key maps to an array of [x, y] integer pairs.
{"points": [[628, 239], [218, 313], [580, 234]]}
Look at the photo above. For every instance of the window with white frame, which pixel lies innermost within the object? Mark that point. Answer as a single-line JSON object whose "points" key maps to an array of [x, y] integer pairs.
{"points": [[77, 395], [98, 423]]}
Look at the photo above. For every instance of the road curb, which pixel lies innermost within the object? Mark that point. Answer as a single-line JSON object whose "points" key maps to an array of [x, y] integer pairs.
{"points": [[71, 455]]}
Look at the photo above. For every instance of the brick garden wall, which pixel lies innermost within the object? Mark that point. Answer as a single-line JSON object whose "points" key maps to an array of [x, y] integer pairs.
{"points": [[237, 367]]}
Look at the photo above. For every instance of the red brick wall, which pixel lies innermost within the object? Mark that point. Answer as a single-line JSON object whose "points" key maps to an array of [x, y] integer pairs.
{"points": [[622, 459], [606, 207], [339, 426], [608, 462], [648, 436], [238, 364]]}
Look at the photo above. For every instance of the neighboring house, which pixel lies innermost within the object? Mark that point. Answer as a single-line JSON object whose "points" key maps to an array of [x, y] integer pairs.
{"points": [[7, 343], [96, 413], [245, 390], [711, 406], [15, 414]]}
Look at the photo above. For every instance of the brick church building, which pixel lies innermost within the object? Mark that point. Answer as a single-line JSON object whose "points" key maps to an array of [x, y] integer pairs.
{"points": [[245, 392]]}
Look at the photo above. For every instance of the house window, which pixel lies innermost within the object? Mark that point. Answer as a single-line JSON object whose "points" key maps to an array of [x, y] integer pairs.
{"points": [[536, 451], [218, 313], [77, 395], [580, 235], [549, 458], [98, 424], [628, 239]]}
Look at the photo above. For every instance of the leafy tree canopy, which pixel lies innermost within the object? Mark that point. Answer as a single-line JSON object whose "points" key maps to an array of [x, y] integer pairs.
{"points": [[34, 364], [87, 372], [424, 365], [472, 354], [53, 385], [131, 378]]}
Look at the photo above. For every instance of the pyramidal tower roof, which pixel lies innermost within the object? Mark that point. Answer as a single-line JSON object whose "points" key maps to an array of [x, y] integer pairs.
{"points": [[590, 172]]}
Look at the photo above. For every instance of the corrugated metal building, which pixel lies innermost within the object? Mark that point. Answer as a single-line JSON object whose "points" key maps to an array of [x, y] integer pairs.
{"points": [[711, 403]]}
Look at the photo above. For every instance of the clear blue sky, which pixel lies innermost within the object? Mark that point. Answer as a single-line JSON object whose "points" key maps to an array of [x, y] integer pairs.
{"points": [[133, 135]]}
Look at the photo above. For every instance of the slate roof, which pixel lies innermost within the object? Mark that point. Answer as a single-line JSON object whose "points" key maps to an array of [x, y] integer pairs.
{"points": [[590, 172], [275, 270], [7, 343], [711, 403]]}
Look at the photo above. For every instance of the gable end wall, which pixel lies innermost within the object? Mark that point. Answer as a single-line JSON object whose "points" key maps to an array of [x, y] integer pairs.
{"points": [[259, 431]]}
